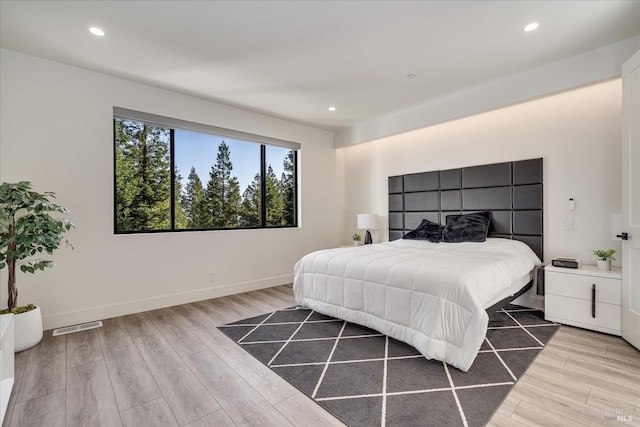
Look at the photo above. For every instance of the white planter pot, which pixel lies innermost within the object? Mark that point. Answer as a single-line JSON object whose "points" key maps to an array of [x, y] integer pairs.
{"points": [[28, 329], [604, 265]]}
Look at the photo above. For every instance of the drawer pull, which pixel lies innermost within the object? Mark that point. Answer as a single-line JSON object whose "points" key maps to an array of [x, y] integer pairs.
{"points": [[593, 301]]}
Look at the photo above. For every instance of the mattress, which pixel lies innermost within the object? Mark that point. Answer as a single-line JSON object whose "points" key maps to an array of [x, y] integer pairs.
{"points": [[430, 295]]}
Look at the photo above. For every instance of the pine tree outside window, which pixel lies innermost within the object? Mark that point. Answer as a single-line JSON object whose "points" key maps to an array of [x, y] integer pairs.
{"points": [[280, 190], [173, 175]]}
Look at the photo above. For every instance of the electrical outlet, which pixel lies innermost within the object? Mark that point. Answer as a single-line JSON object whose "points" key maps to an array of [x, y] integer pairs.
{"points": [[212, 277]]}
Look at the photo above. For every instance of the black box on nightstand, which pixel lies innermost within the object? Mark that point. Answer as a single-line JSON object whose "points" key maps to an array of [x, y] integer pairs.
{"points": [[566, 262]]}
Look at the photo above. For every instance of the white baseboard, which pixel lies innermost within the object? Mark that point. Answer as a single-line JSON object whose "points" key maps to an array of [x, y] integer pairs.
{"points": [[90, 314]]}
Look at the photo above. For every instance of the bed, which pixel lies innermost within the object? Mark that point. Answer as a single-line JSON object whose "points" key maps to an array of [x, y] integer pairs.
{"points": [[434, 295]]}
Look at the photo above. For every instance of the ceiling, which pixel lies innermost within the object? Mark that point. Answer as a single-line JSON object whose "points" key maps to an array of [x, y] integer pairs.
{"points": [[294, 59]]}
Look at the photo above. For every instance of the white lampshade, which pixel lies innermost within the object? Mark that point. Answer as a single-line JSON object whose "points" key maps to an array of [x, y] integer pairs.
{"points": [[367, 221]]}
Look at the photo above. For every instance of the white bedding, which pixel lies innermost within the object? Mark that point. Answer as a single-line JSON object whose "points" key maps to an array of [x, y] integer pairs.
{"points": [[432, 296]]}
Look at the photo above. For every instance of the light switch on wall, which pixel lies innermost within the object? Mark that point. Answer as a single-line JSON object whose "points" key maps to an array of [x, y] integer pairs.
{"points": [[567, 224]]}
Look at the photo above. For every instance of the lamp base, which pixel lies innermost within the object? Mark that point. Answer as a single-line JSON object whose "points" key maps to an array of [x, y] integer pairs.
{"points": [[367, 238]]}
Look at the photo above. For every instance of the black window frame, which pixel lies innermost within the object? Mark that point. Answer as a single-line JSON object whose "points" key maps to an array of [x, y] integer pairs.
{"points": [[173, 124]]}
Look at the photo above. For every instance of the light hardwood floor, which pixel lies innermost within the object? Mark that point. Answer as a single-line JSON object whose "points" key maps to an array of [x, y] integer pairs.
{"points": [[172, 367]]}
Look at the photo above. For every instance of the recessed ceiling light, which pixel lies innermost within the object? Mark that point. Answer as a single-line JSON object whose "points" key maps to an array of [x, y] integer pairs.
{"points": [[531, 27], [411, 76], [332, 108], [96, 31]]}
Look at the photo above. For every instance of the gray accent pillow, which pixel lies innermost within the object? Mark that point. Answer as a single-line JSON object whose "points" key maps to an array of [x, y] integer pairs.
{"points": [[472, 227], [427, 230]]}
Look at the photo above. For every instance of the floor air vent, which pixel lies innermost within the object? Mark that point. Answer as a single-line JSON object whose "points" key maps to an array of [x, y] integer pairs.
{"points": [[77, 328]]}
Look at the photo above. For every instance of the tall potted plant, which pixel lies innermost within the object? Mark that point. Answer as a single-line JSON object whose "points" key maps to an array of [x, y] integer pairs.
{"points": [[27, 229]]}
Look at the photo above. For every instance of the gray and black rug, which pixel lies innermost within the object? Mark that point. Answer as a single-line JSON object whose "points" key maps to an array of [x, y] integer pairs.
{"points": [[365, 378]]}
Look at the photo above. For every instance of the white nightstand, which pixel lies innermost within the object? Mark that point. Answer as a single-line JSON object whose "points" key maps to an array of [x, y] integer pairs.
{"points": [[586, 297]]}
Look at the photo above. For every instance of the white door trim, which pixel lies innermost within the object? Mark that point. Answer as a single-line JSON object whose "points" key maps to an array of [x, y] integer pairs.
{"points": [[631, 200]]}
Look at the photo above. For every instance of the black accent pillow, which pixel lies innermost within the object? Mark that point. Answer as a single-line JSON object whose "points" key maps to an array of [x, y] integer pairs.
{"points": [[427, 230], [472, 227]]}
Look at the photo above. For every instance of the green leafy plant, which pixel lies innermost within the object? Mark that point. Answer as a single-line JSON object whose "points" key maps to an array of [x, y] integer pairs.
{"points": [[605, 255], [356, 237], [27, 229]]}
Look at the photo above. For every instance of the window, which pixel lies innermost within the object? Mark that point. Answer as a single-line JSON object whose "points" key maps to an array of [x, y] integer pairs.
{"points": [[173, 175]]}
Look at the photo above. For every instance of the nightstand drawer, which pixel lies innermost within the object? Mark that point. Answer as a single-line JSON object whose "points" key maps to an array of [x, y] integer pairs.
{"points": [[580, 287], [577, 312]]}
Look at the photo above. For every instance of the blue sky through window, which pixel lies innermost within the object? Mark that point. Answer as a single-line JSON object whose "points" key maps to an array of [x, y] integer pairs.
{"points": [[200, 151]]}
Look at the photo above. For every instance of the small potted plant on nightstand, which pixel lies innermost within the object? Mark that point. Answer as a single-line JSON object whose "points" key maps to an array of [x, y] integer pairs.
{"points": [[27, 229], [356, 239], [604, 258]]}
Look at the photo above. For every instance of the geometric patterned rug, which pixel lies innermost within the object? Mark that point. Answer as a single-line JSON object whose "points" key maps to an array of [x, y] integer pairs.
{"points": [[365, 378]]}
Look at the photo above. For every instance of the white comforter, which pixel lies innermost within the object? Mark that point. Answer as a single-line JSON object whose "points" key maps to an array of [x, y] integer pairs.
{"points": [[432, 296]]}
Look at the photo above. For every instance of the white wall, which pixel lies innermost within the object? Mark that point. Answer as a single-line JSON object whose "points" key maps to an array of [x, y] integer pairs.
{"points": [[56, 131], [578, 134]]}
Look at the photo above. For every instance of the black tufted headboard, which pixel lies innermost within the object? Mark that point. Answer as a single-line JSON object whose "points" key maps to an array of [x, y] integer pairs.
{"points": [[512, 191]]}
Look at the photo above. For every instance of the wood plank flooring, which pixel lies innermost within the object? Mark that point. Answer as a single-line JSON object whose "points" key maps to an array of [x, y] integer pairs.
{"points": [[172, 367], [581, 378]]}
